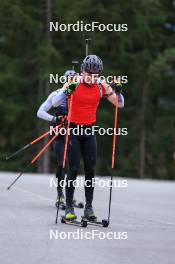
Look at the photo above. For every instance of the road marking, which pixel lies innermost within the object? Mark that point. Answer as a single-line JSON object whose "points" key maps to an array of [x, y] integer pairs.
{"points": [[29, 192]]}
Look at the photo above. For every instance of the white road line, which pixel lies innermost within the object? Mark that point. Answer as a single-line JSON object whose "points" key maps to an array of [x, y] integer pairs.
{"points": [[29, 192]]}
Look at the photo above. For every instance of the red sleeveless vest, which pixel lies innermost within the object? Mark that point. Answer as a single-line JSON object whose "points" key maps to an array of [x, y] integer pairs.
{"points": [[85, 102]]}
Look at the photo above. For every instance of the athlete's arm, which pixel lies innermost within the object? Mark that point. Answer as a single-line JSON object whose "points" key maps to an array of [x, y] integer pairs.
{"points": [[112, 99], [60, 96], [45, 107], [65, 92], [111, 95]]}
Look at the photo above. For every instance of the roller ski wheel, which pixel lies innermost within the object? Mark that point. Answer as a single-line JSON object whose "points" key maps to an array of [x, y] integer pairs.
{"points": [[103, 223], [78, 205], [63, 207]]}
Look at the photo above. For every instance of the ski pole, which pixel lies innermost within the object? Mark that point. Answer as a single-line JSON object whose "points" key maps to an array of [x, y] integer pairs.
{"points": [[65, 148], [113, 157], [30, 144], [74, 63], [34, 159], [56, 220]]}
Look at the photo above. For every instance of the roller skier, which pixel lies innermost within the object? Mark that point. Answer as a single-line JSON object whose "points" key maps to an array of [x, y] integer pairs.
{"points": [[86, 96], [59, 142]]}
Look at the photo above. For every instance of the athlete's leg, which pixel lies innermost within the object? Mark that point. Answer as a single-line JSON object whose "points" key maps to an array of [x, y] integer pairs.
{"points": [[74, 164], [89, 153], [58, 146]]}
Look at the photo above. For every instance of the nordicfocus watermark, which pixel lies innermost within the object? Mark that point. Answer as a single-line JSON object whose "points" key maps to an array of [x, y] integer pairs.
{"points": [[88, 27], [80, 234], [80, 182], [55, 78], [80, 130]]}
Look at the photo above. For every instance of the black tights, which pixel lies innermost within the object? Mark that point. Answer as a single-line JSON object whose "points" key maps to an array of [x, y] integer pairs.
{"points": [[86, 146], [58, 146]]}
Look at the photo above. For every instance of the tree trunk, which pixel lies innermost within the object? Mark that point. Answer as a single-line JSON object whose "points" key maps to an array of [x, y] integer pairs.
{"points": [[143, 130], [44, 90], [39, 130]]}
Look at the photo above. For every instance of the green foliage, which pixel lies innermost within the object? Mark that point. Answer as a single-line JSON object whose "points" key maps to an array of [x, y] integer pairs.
{"points": [[145, 53]]}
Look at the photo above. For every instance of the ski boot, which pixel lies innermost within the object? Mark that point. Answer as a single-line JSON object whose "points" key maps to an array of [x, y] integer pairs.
{"points": [[70, 214], [71, 219], [89, 213]]}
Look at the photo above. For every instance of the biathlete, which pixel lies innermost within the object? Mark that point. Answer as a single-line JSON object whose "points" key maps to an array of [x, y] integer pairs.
{"points": [[86, 97], [59, 143]]}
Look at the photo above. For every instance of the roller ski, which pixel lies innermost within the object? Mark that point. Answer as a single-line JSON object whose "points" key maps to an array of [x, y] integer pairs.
{"points": [[71, 219], [91, 218], [60, 202]]}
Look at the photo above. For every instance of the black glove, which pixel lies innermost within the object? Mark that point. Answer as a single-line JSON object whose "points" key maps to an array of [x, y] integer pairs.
{"points": [[57, 119], [117, 87], [71, 88]]}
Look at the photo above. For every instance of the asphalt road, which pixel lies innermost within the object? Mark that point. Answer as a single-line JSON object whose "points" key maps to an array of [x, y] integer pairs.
{"points": [[143, 212]]}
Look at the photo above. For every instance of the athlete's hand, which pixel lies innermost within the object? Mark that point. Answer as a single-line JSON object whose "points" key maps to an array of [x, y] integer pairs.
{"points": [[116, 86], [71, 88], [58, 119]]}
